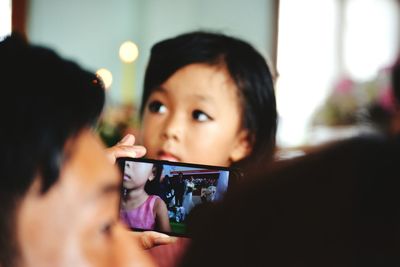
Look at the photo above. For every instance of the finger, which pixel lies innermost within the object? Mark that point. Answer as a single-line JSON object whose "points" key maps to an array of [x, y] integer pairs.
{"points": [[151, 239], [119, 151], [164, 240], [140, 151], [129, 151], [128, 140], [160, 239], [128, 249]]}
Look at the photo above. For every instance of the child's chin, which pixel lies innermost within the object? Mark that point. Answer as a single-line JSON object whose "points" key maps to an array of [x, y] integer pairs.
{"points": [[169, 158], [127, 185]]}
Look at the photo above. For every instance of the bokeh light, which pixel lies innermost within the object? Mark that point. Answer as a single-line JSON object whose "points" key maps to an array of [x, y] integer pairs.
{"points": [[106, 77], [128, 52]]}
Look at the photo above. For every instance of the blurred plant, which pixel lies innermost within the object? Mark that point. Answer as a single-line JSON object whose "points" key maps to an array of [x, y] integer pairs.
{"points": [[116, 122], [352, 102]]}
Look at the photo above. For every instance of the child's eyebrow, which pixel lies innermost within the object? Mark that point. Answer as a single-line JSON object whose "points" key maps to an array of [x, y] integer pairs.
{"points": [[198, 97], [203, 98], [160, 89]]}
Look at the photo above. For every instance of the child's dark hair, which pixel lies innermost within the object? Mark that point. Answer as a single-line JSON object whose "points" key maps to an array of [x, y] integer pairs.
{"points": [[247, 68], [153, 187]]}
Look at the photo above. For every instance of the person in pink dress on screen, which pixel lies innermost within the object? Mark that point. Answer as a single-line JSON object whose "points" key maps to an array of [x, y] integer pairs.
{"points": [[140, 210]]}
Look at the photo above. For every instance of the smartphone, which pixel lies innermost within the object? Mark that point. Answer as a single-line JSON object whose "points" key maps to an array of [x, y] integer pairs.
{"points": [[159, 195]]}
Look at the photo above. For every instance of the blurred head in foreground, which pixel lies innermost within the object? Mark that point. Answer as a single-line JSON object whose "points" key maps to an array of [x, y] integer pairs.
{"points": [[335, 207], [59, 193]]}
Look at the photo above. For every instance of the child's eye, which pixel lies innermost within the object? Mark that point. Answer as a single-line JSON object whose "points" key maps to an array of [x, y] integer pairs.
{"points": [[199, 115], [157, 107]]}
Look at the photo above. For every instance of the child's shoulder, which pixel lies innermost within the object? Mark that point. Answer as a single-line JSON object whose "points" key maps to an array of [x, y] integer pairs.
{"points": [[157, 200], [159, 204], [154, 198]]}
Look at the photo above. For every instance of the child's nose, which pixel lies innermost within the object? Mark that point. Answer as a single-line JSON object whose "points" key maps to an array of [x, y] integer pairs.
{"points": [[173, 128]]}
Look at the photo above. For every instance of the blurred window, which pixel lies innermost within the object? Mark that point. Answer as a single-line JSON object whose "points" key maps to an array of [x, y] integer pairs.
{"points": [[5, 18], [320, 42]]}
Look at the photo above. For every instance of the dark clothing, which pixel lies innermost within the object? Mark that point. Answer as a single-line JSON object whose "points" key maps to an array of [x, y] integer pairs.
{"points": [[336, 207], [165, 190], [179, 188]]}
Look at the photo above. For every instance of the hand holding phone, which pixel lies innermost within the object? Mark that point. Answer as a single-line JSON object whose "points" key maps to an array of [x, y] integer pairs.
{"points": [[159, 195]]}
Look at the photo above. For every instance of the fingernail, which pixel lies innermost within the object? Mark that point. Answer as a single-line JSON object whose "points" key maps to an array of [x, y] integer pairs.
{"points": [[161, 235], [125, 138]]}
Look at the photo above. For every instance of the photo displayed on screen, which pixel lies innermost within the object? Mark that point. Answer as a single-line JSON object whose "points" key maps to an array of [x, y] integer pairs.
{"points": [[160, 196]]}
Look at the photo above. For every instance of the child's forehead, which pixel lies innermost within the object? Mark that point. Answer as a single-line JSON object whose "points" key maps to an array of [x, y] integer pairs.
{"points": [[198, 83]]}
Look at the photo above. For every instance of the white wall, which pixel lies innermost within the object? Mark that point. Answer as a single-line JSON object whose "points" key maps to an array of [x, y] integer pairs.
{"points": [[91, 31]]}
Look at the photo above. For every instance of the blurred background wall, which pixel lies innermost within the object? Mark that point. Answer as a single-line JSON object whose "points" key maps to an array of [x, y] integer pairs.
{"points": [[332, 57], [92, 31]]}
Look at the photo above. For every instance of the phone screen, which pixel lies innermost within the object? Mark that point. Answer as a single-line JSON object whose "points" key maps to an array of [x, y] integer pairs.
{"points": [[159, 195]]}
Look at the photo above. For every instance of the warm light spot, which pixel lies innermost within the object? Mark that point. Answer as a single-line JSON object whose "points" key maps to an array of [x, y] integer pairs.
{"points": [[128, 52], [106, 76]]}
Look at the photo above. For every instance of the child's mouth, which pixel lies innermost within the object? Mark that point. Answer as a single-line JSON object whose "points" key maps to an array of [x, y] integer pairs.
{"points": [[167, 156]]}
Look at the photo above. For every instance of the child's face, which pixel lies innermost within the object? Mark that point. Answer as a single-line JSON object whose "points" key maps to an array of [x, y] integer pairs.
{"points": [[195, 116], [136, 174]]}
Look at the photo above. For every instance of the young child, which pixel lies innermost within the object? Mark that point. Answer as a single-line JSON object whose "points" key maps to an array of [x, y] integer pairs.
{"points": [[208, 98], [138, 208]]}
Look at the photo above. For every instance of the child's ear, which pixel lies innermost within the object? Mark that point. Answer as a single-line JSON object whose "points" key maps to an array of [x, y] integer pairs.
{"points": [[152, 175], [242, 147]]}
